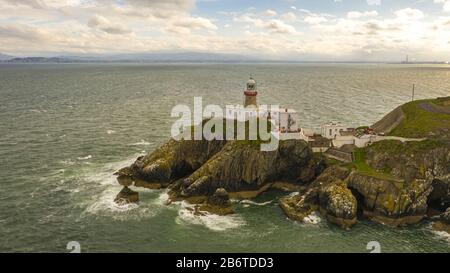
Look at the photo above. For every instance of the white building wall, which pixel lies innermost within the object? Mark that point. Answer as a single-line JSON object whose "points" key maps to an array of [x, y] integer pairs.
{"points": [[340, 141], [330, 131], [363, 141]]}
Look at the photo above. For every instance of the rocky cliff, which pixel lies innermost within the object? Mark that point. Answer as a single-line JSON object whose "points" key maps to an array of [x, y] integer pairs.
{"points": [[389, 182], [195, 170]]}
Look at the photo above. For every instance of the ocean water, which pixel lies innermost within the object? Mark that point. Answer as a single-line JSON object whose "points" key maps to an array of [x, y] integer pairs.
{"points": [[66, 128]]}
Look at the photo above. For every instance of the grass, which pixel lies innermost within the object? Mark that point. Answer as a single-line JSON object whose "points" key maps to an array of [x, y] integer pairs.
{"points": [[397, 147], [419, 123], [247, 140], [360, 164]]}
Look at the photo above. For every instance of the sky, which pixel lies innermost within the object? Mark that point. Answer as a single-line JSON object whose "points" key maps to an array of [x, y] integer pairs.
{"points": [[313, 30]]}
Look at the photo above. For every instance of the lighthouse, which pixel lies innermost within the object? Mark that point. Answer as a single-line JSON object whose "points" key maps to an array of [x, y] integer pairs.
{"points": [[251, 94]]}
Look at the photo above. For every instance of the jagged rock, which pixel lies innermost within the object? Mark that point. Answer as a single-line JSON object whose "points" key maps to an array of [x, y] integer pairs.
{"points": [[444, 222], [243, 167], [303, 204], [310, 172], [220, 198], [440, 196], [172, 161], [393, 202], [219, 203], [295, 208], [425, 160], [127, 196], [445, 217], [338, 204]]}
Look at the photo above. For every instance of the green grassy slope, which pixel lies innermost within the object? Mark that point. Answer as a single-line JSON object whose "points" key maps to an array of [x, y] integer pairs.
{"points": [[425, 119]]}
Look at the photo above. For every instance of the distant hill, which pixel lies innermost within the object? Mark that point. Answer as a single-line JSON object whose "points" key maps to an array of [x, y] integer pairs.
{"points": [[188, 57], [40, 60], [4, 57], [164, 57], [422, 118]]}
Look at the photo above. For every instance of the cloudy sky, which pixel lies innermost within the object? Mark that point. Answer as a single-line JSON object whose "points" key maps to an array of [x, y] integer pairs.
{"points": [[279, 29]]}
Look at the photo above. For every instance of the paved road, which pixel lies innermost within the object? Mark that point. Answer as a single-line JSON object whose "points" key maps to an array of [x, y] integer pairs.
{"points": [[402, 139]]}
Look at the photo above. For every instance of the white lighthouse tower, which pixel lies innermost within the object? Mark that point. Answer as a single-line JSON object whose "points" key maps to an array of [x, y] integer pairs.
{"points": [[250, 95]]}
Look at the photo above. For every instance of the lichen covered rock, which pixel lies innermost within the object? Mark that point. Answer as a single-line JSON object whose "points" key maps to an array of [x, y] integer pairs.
{"points": [[172, 161], [338, 204], [392, 202], [243, 167]]}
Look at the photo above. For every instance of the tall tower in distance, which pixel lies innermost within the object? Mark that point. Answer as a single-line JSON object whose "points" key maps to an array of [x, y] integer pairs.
{"points": [[251, 93]]}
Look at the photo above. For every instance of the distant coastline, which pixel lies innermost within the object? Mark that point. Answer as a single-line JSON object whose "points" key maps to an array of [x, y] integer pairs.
{"points": [[188, 58]]}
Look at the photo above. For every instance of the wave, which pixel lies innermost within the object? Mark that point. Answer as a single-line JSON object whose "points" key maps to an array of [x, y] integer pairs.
{"points": [[313, 219], [67, 162], [439, 234], [102, 187], [249, 202], [85, 157], [141, 143], [110, 132], [210, 221], [442, 235]]}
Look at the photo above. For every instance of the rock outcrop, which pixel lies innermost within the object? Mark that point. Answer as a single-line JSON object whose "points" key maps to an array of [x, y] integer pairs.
{"points": [[243, 167], [338, 205], [400, 183], [389, 201], [389, 182], [200, 171], [329, 195], [172, 161], [127, 196], [443, 224], [219, 203]]}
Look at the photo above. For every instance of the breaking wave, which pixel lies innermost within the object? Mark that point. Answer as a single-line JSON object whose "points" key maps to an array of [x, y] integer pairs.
{"points": [[211, 221], [141, 143], [105, 188], [313, 219], [249, 202]]}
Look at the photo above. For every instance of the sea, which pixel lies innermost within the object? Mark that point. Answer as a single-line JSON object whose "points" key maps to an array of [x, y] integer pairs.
{"points": [[66, 128]]}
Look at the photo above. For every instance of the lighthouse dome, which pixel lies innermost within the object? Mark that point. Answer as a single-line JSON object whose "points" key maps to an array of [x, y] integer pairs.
{"points": [[251, 84]]}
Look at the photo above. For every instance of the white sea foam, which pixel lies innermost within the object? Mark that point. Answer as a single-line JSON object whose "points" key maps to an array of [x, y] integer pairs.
{"points": [[162, 199], [67, 162], [104, 184], [141, 143], [292, 194], [110, 132], [85, 157], [442, 235], [211, 221], [250, 202], [439, 234], [313, 218]]}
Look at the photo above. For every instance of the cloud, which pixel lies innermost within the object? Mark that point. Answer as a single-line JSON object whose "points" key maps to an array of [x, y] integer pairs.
{"points": [[315, 19], [23, 32], [272, 25], [270, 13], [365, 14], [103, 24], [446, 4], [410, 14], [185, 25]]}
